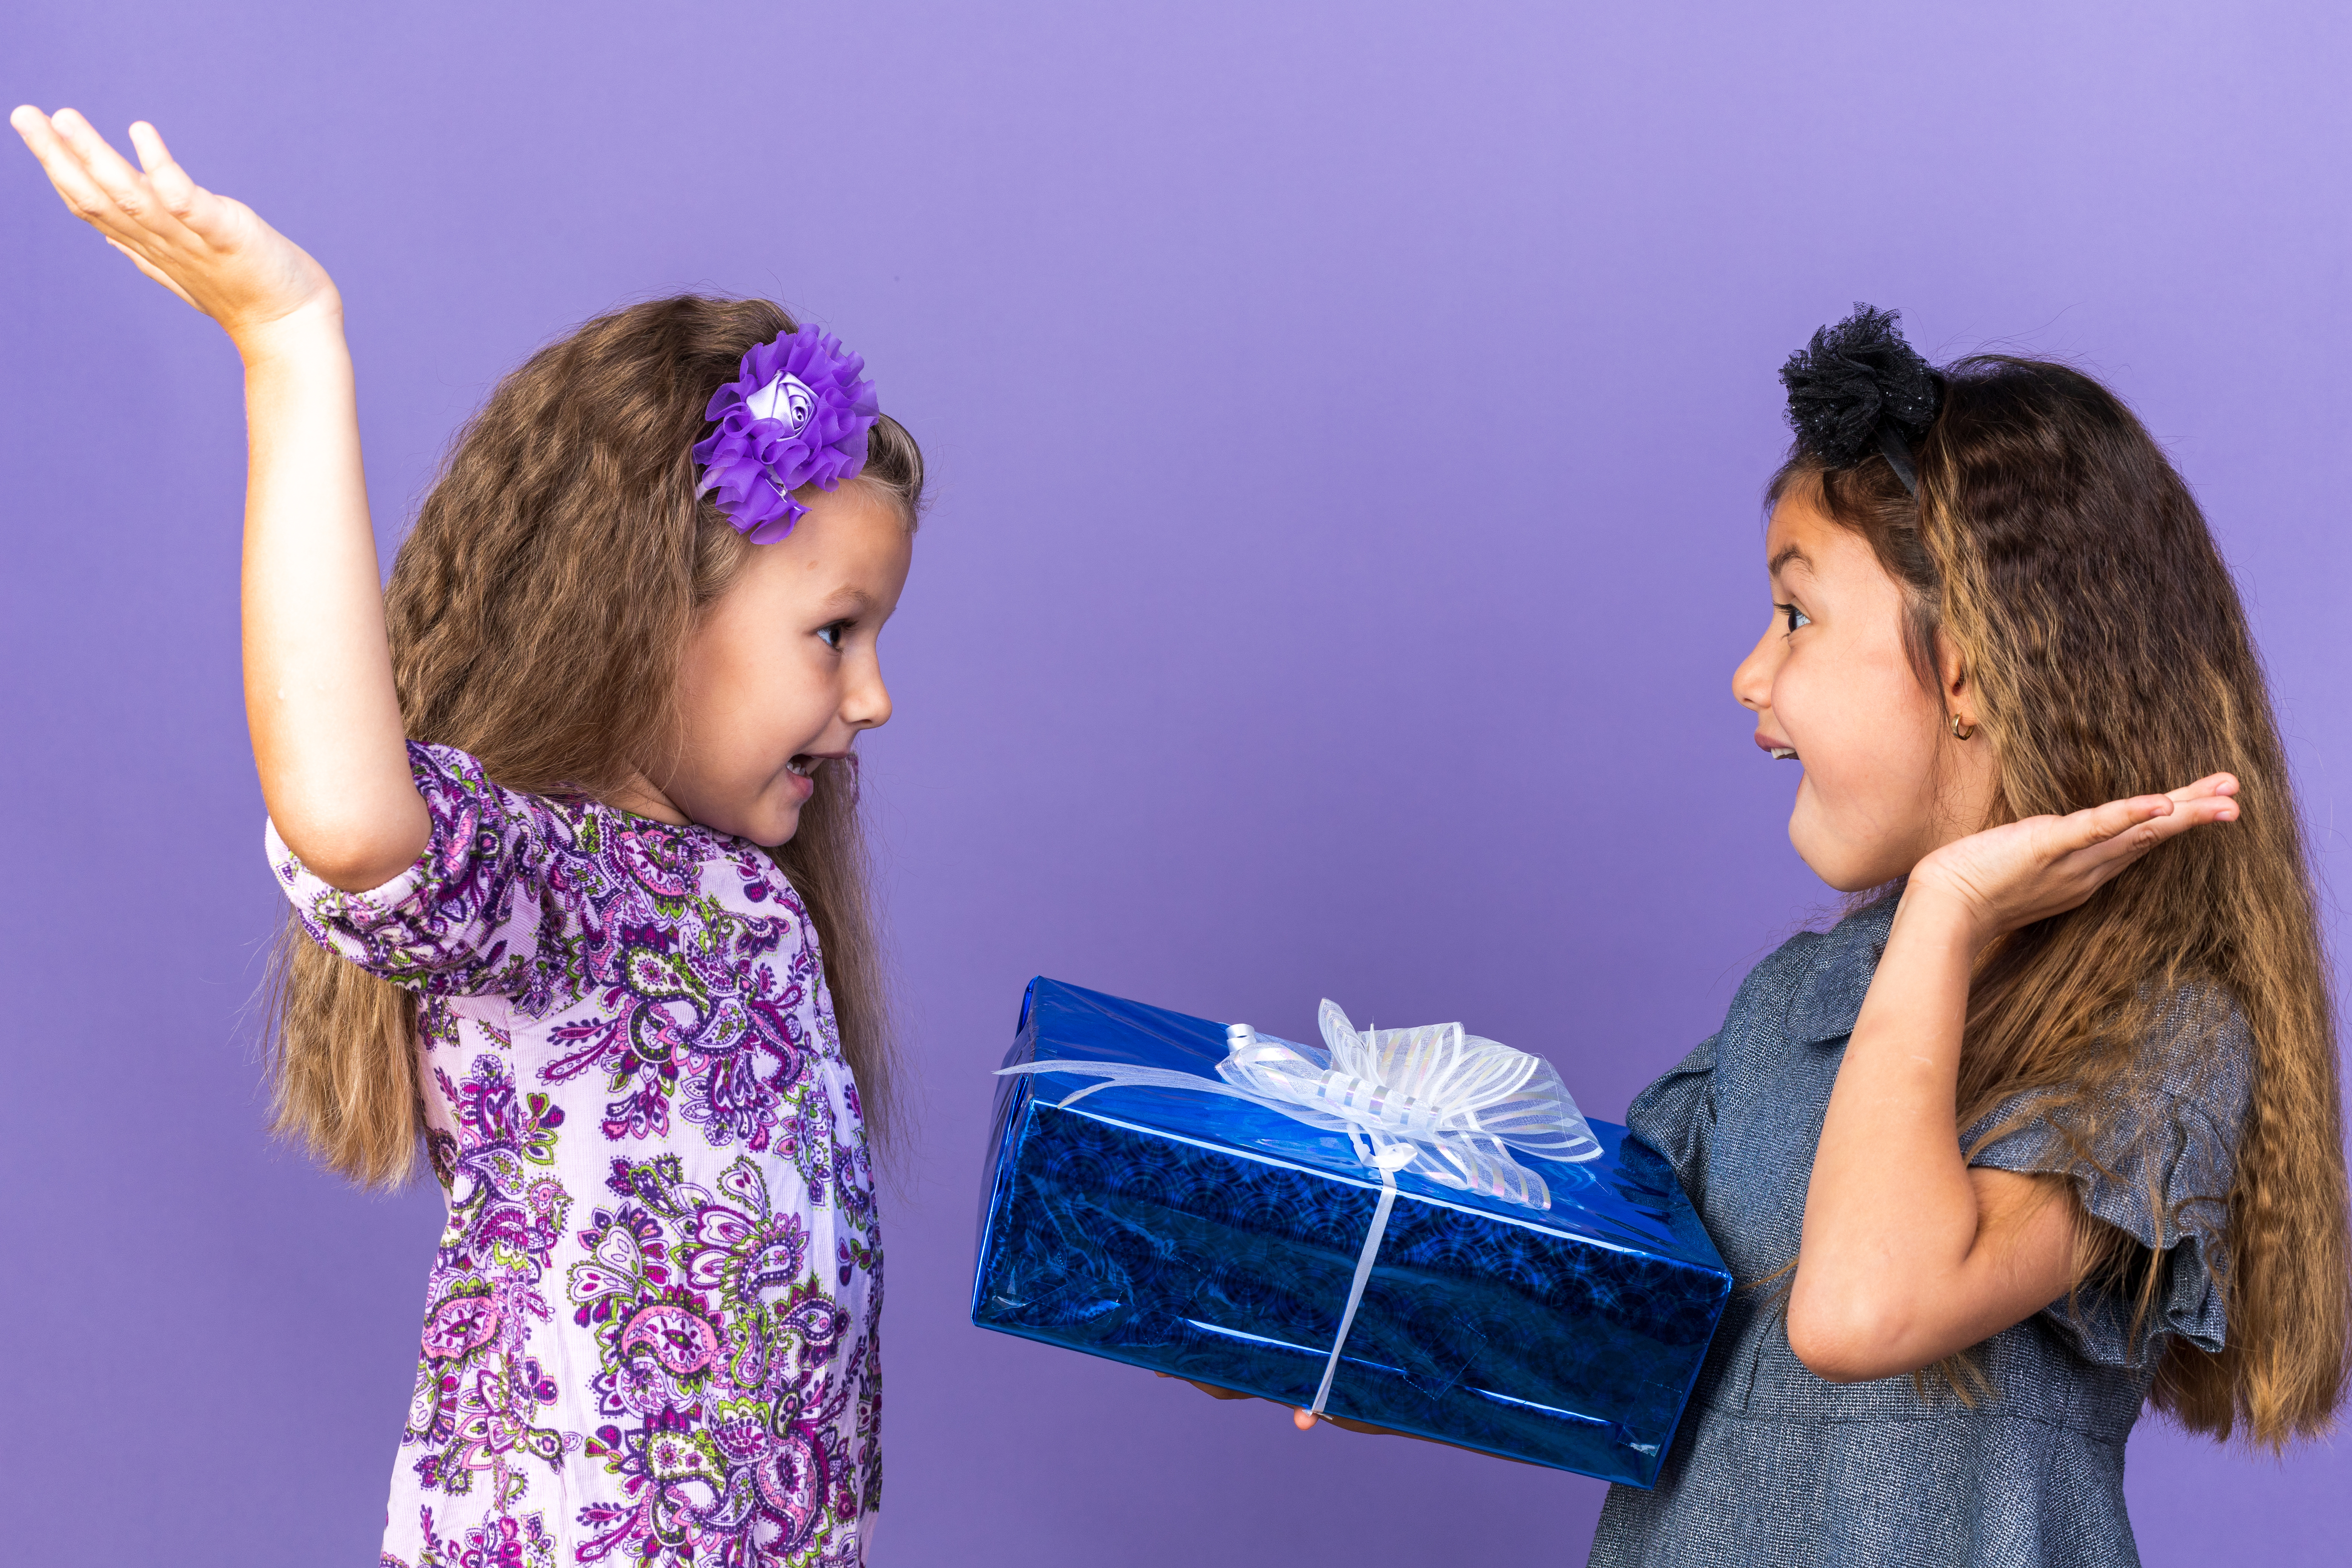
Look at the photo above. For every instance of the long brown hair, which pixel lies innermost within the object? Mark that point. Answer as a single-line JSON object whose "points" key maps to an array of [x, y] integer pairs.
{"points": [[537, 613], [2052, 546]]}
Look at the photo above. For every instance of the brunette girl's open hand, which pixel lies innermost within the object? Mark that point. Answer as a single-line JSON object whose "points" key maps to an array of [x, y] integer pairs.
{"points": [[211, 250], [2010, 876]]}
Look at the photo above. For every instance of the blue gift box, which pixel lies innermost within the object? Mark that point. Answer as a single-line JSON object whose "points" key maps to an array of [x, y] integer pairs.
{"points": [[1217, 1239]]}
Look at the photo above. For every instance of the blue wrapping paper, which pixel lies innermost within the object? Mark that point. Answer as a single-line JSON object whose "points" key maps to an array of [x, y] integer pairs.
{"points": [[1216, 1239]]}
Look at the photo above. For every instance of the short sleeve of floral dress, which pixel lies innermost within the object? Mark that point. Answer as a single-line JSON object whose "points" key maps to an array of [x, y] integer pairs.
{"points": [[650, 1326]]}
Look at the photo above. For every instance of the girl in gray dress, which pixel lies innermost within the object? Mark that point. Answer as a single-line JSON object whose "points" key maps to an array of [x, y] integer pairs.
{"points": [[2047, 1129]]}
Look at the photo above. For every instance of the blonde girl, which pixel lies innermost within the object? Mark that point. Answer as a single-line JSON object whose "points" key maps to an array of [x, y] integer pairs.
{"points": [[567, 819]]}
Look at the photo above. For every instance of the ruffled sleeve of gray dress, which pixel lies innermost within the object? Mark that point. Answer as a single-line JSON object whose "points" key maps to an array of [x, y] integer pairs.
{"points": [[1676, 1112], [2155, 1161]]}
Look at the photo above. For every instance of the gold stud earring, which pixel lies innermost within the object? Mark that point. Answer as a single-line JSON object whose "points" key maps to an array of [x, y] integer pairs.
{"points": [[1959, 731]]}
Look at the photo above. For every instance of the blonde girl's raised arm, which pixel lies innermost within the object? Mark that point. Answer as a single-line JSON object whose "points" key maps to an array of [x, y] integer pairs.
{"points": [[327, 734]]}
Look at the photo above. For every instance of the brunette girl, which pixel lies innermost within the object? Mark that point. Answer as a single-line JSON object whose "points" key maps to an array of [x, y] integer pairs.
{"points": [[568, 822], [2047, 1129]]}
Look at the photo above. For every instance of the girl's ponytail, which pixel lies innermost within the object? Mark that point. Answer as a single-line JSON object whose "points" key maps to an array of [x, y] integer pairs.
{"points": [[342, 1062]]}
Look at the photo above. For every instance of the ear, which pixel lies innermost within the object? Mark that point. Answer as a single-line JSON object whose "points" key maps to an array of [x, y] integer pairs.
{"points": [[1952, 675]]}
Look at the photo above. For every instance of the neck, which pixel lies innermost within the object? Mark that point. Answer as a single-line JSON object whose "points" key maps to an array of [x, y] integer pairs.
{"points": [[638, 796]]}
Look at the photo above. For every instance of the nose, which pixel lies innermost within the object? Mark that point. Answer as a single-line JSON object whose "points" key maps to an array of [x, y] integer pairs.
{"points": [[866, 705], [1751, 683]]}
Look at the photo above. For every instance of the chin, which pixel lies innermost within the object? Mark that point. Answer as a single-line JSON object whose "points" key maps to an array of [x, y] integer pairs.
{"points": [[762, 822], [1830, 858], [774, 827]]}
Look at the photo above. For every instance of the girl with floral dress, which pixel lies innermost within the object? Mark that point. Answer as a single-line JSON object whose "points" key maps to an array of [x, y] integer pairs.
{"points": [[567, 817]]}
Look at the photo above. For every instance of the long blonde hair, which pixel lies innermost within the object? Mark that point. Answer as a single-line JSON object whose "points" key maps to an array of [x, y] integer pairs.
{"points": [[536, 614], [2057, 550]]}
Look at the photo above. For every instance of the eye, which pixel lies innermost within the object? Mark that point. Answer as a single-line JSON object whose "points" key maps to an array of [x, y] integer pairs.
{"points": [[833, 633], [1794, 616]]}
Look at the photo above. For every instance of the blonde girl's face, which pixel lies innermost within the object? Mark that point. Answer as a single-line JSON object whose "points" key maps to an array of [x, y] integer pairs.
{"points": [[1884, 782], [782, 671]]}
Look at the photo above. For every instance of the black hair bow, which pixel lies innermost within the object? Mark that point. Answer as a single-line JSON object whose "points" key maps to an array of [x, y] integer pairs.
{"points": [[1858, 387]]}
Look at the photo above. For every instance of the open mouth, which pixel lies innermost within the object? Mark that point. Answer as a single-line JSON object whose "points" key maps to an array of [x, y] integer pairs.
{"points": [[805, 764], [1784, 753]]}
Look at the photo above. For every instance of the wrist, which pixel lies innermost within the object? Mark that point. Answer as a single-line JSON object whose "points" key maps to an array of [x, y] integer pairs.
{"points": [[1934, 908], [301, 333]]}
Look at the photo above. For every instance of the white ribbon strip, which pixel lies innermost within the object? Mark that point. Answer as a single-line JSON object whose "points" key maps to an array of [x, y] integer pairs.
{"points": [[1447, 1106], [1371, 1250]]}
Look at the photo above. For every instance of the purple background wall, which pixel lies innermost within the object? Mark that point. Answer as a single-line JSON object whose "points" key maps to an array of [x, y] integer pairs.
{"points": [[1349, 421]]}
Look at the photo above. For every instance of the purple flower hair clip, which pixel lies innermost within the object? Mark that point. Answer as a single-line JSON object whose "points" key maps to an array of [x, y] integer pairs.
{"points": [[795, 414]]}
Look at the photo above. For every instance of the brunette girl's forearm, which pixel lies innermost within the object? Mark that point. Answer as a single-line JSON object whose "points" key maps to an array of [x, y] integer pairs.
{"points": [[327, 734], [1908, 1256], [1889, 1188]]}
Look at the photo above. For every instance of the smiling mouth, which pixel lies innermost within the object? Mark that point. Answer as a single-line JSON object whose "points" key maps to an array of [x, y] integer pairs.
{"points": [[1784, 753], [806, 764]]}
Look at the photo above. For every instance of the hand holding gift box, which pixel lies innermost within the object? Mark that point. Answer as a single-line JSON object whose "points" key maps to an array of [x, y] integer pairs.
{"points": [[1413, 1229]]}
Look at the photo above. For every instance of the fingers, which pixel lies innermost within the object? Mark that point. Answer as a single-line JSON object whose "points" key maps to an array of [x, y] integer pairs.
{"points": [[2044, 866], [181, 196], [2206, 788], [2219, 805], [1302, 1420], [103, 190], [2102, 826], [148, 143], [133, 197], [2108, 838], [2213, 798], [81, 194], [29, 121]]}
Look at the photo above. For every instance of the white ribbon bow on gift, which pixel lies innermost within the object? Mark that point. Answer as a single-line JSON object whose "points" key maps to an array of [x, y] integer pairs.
{"points": [[1447, 1106]]}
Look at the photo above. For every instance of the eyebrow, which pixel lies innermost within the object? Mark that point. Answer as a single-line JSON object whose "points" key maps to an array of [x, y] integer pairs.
{"points": [[1788, 552], [847, 601]]}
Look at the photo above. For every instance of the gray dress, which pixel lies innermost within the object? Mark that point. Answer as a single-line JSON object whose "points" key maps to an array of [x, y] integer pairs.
{"points": [[1771, 1465]]}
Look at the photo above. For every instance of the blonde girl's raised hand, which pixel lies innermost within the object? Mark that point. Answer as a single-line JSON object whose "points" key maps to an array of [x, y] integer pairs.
{"points": [[327, 740], [211, 250]]}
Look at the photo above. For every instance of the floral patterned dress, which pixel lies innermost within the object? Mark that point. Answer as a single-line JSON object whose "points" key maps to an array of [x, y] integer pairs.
{"points": [[650, 1333]]}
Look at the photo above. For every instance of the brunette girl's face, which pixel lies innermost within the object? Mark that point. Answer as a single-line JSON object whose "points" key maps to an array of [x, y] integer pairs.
{"points": [[781, 671], [1884, 781]]}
